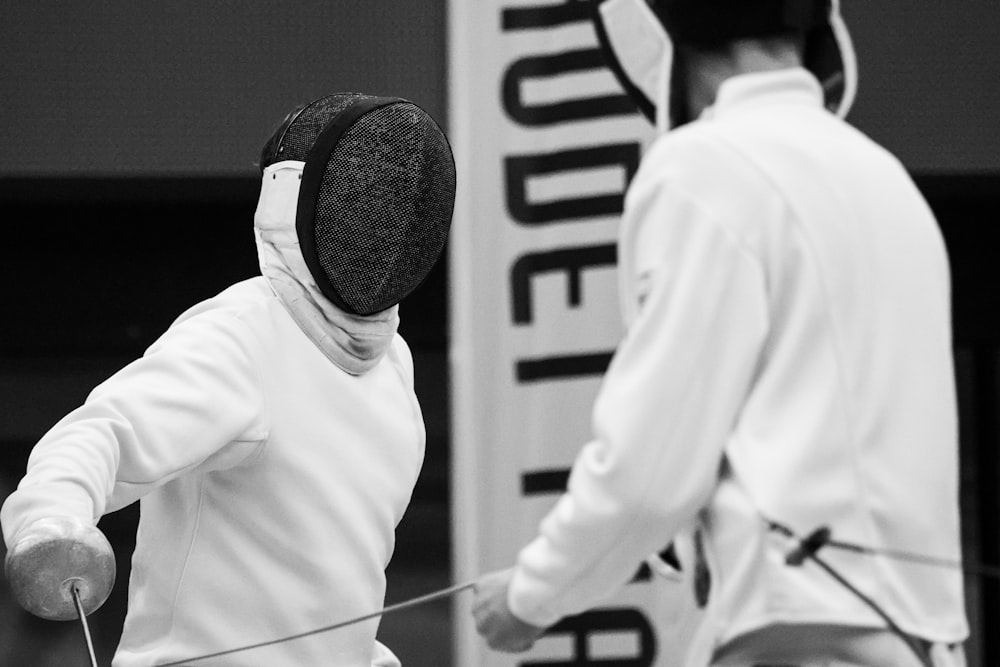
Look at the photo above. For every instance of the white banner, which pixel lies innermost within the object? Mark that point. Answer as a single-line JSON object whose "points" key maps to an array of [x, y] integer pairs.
{"points": [[546, 143]]}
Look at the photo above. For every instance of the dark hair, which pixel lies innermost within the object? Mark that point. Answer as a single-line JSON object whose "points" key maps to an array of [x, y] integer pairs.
{"points": [[710, 24]]}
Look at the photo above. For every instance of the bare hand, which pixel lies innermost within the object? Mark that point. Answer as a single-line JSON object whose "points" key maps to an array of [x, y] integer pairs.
{"points": [[494, 621]]}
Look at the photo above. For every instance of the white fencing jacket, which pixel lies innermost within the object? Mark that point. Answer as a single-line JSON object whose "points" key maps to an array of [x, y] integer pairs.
{"points": [[271, 480], [788, 356]]}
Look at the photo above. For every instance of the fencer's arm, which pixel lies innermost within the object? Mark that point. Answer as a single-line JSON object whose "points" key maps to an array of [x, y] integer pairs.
{"points": [[194, 397], [664, 411]]}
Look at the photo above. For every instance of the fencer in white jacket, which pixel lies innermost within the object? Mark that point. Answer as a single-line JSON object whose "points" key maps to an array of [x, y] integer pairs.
{"points": [[273, 440], [787, 359]]}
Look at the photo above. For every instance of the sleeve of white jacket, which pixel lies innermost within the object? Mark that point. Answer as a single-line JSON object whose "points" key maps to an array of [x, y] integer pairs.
{"points": [[193, 396], [664, 411]]}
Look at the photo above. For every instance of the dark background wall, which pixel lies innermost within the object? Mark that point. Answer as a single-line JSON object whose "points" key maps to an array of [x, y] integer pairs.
{"points": [[191, 88], [129, 133]]}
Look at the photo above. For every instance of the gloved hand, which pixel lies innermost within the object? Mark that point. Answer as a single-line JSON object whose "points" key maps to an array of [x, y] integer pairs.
{"points": [[52, 556]]}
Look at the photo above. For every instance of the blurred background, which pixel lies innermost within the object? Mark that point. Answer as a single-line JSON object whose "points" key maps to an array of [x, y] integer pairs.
{"points": [[129, 133]]}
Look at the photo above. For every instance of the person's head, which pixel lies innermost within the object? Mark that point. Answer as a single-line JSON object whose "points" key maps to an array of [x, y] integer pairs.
{"points": [[672, 55], [364, 187], [701, 67]]}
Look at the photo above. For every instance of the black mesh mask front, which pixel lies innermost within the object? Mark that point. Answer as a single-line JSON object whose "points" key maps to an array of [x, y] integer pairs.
{"points": [[377, 194]]}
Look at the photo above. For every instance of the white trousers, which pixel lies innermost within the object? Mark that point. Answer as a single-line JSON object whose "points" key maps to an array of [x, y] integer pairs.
{"points": [[829, 646]]}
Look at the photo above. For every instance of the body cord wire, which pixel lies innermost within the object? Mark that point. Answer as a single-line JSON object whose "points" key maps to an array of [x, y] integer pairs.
{"points": [[807, 549], [407, 604]]}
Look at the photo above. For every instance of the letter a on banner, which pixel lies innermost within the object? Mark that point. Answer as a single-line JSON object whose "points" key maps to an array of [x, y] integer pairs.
{"points": [[546, 143]]}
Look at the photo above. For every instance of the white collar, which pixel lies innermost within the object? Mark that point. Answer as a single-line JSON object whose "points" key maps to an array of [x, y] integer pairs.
{"points": [[356, 343], [795, 85]]}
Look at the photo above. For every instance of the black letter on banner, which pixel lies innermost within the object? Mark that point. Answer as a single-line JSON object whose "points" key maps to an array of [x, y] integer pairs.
{"points": [[519, 168], [570, 260], [543, 482], [558, 112], [561, 367], [597, 622], [547, 16]]}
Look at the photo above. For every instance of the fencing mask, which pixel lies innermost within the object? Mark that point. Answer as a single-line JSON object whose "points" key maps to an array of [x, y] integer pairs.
{"points": [[376, 195], [639, 38]]}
